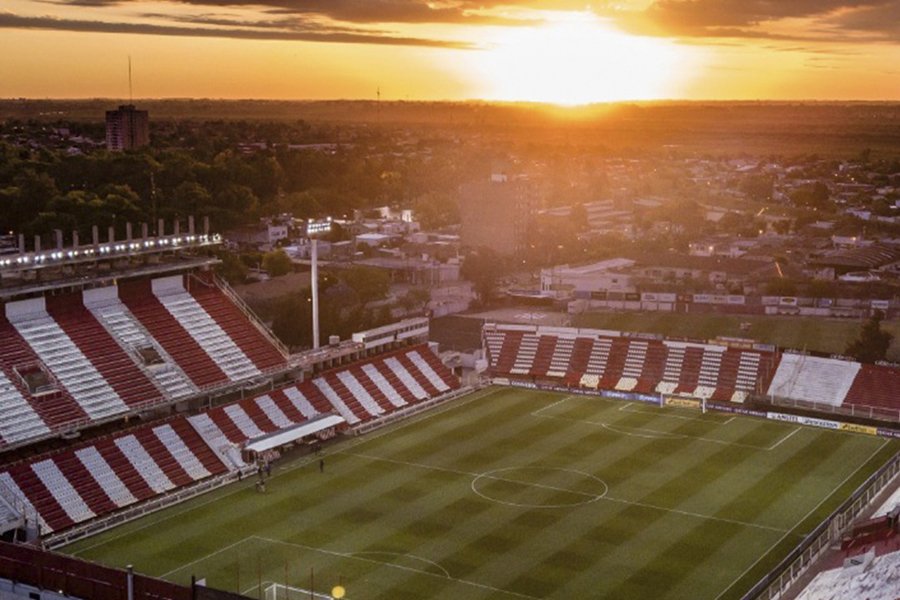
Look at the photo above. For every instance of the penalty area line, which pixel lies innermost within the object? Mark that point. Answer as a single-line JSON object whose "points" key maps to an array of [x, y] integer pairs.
{"points": [[784, 439], [352, 556], [202, 558]]}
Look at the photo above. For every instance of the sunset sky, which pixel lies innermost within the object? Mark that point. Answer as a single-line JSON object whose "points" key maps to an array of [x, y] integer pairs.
{"points": [[564, 51]]}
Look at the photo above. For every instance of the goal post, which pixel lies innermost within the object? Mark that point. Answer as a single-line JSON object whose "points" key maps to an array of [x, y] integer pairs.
{"points": [[280, 591], [684, 402]]}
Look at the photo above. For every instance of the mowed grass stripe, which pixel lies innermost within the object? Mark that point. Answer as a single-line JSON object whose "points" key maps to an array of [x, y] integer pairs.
{"points": [[404, 494], [826, 505], [683, 555]]}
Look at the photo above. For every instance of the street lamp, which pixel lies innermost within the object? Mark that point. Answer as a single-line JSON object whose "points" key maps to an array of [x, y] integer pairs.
{"points": [[316, 227]]}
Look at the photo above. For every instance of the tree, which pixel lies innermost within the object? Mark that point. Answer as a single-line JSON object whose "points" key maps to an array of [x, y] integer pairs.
{"points": [[483, 269], [292, 319], [414, 299], [232, 269], [368, 283], [758, 186], [277, 263], [873, 342]]}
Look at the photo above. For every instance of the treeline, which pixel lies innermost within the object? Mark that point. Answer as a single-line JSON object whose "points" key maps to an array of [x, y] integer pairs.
{"points": [[232, 172]]}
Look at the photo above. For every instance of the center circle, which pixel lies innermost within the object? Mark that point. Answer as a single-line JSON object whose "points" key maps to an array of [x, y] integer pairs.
{"points": [[539, 487]]}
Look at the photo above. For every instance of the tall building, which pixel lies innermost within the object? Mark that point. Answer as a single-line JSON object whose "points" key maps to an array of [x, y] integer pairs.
{"points": [[127, 128], [496, 213]]}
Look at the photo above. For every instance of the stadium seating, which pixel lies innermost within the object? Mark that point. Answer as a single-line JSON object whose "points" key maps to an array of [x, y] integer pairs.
{"points": [[608, 360], [509, 351], [615, 362], [421, 363], [598, 357], [342, 400], [74, 358], [708, 375], [249, 338], [170, 334], [813, 379], [493, 342], [390, 392], [357, 392], [653, 368], [108, 309], [525, 354], [117, 368], [561, 357], [64, 359], [97, 477], [214, 340], [875, 386], [18, 420], [875, 578], [406, 380], [674, 364], [690, 369], [582, 349], [543, 355]]}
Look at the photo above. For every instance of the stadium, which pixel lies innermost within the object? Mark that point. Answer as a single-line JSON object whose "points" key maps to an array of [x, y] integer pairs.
{"points": [[158, 442]]}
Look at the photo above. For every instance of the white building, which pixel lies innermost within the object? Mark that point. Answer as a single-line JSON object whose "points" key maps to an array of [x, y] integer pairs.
{"points": [[606, 275]]}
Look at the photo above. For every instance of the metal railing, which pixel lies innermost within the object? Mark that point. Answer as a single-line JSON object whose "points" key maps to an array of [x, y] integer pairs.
{"points": [[248, 312], [144, 508], [409, 411], [879, 413], [795, 564]]}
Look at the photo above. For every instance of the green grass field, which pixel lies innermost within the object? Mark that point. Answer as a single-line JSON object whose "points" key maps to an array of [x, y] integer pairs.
{"points": [[508, 493], [810, 333]]}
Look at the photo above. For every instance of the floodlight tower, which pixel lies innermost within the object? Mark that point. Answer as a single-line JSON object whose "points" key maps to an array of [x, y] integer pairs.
{"points": [[316, 227]]}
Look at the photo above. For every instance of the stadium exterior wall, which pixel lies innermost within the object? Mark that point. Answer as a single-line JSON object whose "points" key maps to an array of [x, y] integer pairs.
{"points": [[72, 577]]}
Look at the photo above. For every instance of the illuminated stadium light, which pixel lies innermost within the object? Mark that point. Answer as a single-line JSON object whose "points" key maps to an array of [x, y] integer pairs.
{"points": [[317, 226]]}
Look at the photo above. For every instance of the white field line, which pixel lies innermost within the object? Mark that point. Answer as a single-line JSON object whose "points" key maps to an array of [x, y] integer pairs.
{"points": [[784, 439], [478, 475], [814, 509], [655, 411], [300, 592], [202, 558], [650, 433], [352, 556], [577, 493], [286, 468], [538, 412], [687, 513]]}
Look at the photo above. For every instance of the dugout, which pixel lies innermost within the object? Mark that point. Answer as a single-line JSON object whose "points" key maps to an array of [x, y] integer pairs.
{"points": [[318, 429]]}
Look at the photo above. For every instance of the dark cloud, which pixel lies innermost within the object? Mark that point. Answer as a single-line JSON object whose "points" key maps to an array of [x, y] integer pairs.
{"points": [[829, 20], [696, 15], [285, 23], [355, 11], [883, 19], [310, 34], [363, 21]]}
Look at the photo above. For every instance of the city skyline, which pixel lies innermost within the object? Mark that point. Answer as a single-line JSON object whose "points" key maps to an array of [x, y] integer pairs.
{"points": [[562, 51]]}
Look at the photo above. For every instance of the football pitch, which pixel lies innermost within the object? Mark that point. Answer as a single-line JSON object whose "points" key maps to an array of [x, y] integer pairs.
{"points": [[511, 493]]}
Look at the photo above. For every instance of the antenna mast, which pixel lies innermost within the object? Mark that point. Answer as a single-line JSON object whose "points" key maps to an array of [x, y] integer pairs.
{"points": [[130, 94]]}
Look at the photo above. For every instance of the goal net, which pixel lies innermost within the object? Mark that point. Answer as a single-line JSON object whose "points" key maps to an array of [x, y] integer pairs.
{"points": [[279, 591]]}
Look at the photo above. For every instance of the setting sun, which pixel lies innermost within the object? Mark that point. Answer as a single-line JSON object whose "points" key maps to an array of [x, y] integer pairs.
{"points": [[576, 58]]}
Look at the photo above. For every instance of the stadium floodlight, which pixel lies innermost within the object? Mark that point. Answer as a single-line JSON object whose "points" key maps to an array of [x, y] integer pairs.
{"points": [[315, 227]]}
